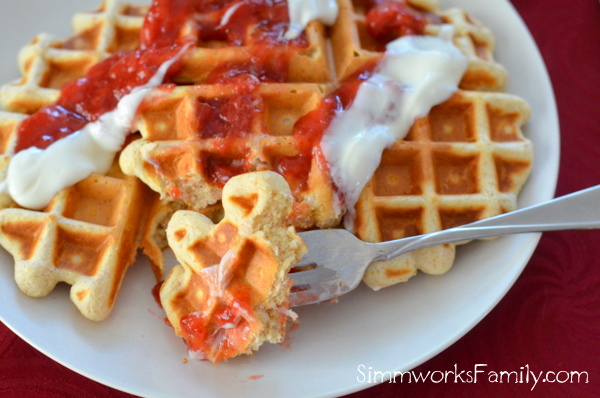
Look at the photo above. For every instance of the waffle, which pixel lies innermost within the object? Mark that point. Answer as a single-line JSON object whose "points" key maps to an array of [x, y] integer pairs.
{"points": [[172, 160], [465, 161], [230, 293], [47, 62], [353, 46], [87, 237]]}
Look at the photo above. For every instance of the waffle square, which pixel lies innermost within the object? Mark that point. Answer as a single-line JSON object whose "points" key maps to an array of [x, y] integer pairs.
{"points": [[353, 46], [87, 237], [181, 157], [47, 62], [467, 160]]}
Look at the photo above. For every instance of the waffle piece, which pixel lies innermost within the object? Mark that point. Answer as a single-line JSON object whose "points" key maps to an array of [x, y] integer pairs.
{"points": [[154, 237], [230, 292], [255, 39], [354, 47], [9, 123], [309, 64], [477, 43], [195, 137], [47, 62], [465, 161], [87, 237]]}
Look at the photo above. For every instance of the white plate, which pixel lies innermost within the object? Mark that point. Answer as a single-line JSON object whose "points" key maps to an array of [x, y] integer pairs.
{"points": [[394, 329]]}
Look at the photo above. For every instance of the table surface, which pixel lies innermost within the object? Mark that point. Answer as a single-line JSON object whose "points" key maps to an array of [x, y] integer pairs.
{"points": [[548, 323]]}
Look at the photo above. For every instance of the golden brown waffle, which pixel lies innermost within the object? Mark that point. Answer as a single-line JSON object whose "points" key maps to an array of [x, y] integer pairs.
{"points": [[477, 43], [465, 161], [353, 46], [175, 160], [87, 237], [47, 63], [230, 293], [98, 220]]}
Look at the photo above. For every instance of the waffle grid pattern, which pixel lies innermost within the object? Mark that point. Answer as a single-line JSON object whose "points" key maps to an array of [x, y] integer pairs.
{"points": [[86, 237], [239, 265], [171, 159], [47, 62], [467, 160], [354, 47]]}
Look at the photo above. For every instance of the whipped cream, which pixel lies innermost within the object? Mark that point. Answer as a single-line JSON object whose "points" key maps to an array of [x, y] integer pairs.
{"points": [[415, 74], [302, 12], [35, 175]]}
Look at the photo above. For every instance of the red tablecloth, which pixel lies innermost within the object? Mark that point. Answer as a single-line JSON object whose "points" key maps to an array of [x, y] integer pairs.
{"points": [[548, 322]]}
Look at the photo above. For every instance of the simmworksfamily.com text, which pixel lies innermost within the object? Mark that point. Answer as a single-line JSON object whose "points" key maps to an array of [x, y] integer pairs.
{"points": [[478, 373]]}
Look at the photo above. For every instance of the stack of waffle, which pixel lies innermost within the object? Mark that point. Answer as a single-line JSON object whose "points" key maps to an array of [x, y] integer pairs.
{"points": [[465, 161]]}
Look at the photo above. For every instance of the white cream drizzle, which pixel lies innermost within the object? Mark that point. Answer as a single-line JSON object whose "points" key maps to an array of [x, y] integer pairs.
{"points": [[302, 12], [34, 175], [415, 74]]}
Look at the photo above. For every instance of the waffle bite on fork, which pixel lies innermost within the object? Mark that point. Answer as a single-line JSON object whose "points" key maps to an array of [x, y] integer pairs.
{"points": [[230, 292]]}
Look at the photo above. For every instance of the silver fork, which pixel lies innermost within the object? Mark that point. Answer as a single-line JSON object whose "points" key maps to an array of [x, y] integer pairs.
{"points": [[336, 259]]}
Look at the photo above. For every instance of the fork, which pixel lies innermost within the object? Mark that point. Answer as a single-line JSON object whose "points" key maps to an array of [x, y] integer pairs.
{"points": [[336, 260]]}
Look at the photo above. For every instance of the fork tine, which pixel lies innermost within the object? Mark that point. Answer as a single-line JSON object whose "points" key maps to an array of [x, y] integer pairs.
{"points": [[306, 291], [329, 268], [308, 286]]}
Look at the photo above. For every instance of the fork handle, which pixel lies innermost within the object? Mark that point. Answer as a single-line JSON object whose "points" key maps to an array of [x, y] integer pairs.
{"points": [[578, 210]]}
